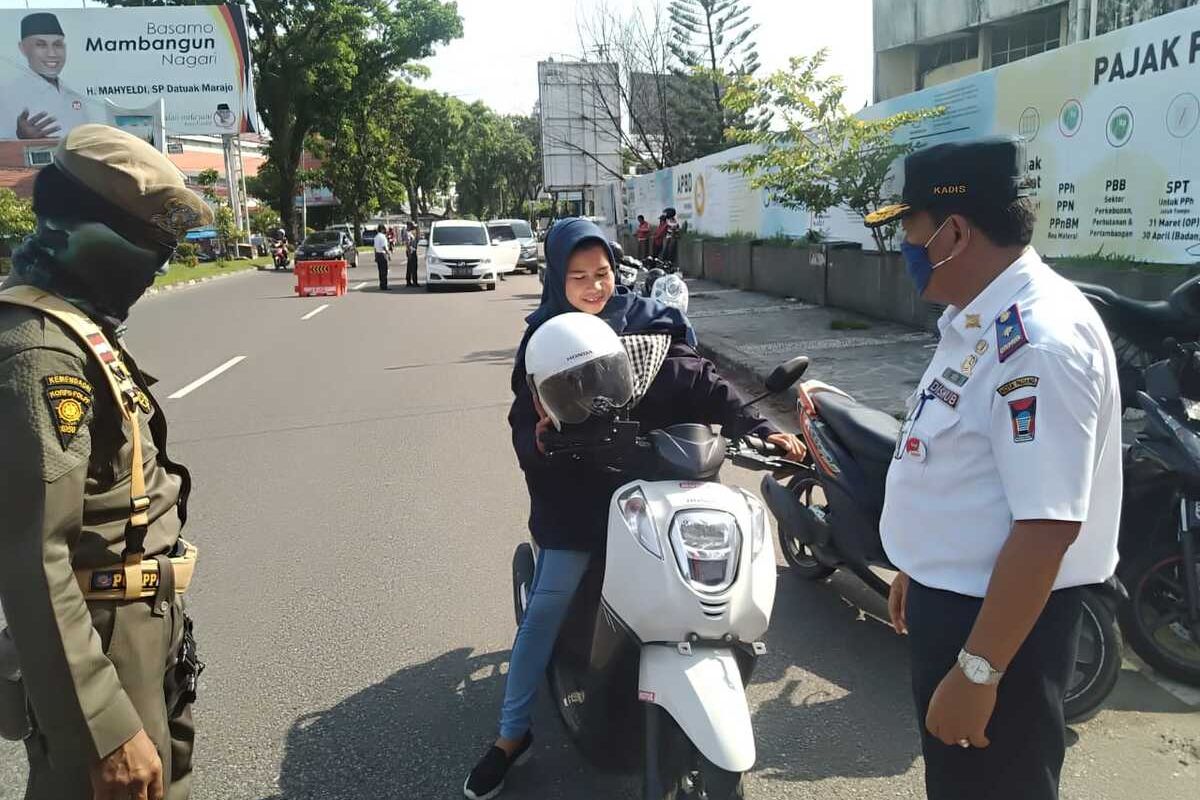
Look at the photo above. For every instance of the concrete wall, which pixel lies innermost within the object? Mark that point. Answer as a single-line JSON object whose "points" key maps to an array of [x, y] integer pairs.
{"points": [[866, 282], [951, 72], [895, 72], [901, 22]]}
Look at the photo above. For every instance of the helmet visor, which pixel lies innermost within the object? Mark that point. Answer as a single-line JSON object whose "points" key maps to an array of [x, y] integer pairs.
{"points": [[597, 387]]}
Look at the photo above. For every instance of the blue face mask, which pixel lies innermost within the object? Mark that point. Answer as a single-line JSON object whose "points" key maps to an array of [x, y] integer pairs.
{"points": [[916, 260]]}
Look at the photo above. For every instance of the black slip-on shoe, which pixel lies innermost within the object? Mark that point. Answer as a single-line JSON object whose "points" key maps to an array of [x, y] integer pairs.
{"points": [[487, 779]]}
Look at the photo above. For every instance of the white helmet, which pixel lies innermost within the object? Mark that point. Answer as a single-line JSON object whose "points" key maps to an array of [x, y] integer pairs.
{"points": [[576, 367]]}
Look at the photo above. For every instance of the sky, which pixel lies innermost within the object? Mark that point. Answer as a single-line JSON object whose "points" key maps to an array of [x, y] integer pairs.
{"points": [[496, 59]]}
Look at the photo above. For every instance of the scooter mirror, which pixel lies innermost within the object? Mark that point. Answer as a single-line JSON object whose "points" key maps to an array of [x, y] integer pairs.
{"points": [[786, 375]]}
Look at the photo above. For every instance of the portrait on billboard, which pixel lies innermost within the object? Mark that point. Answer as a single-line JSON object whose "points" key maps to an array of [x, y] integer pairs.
{"points": [[66, 67], [38, 103]]}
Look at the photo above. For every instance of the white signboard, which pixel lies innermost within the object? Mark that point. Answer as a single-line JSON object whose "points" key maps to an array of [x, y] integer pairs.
{"points": [[66, 67], [581, 145]]}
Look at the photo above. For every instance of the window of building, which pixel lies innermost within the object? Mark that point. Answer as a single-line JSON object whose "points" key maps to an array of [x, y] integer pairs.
{"points": [[1026, 37], [39, 156], [1114, 14], [950, 51]]}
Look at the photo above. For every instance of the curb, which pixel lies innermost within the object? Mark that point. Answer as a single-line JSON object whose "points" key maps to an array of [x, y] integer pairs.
{"points": [[171, 287]]}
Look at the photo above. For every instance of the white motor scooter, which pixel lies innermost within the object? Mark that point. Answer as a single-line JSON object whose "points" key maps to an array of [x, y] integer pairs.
{"points": [[650, 667]]}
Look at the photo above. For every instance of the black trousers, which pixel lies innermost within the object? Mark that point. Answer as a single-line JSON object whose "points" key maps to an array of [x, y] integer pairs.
{"points": [[381, 262], [1027, 731], [410, 276]]}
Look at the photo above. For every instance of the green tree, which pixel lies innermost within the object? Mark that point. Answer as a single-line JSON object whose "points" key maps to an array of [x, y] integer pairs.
{"points": [[494, 162], [712, 43], [526, 176], [226, 227], [17, 219], [428, 144], [264, 220], [825, 156], [362, 160], [207, 180]]}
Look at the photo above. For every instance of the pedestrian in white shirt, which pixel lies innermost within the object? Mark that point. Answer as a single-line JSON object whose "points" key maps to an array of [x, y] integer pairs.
{"points": [[1004, 496], [38, 105], [382, 251]]}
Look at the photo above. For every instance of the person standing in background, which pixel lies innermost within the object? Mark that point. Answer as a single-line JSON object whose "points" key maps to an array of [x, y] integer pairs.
{"points": [[660, 235], [643, 237], [382, 248], [411, 237]]}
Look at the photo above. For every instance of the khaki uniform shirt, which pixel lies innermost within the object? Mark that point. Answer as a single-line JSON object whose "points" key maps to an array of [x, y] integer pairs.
{"points": [[64, 505]]}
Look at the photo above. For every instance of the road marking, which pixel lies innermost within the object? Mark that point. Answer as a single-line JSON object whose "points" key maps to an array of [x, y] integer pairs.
{"points": [[314, 312], [203, 379], [358, 286]]}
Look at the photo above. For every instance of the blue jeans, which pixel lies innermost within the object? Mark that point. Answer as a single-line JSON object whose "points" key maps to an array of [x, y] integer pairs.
{"points": [[555, 579]]}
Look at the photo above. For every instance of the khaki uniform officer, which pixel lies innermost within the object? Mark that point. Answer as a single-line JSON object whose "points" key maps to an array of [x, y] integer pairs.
{"points": [[1004, 496], [92, 566]]}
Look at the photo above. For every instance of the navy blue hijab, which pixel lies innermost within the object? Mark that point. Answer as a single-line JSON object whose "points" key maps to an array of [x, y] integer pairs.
{"points": [[626, 312]]}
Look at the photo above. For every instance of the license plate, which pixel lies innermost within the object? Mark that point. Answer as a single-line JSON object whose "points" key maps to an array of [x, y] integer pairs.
{"points": [[1191, 513], [462, 272]]}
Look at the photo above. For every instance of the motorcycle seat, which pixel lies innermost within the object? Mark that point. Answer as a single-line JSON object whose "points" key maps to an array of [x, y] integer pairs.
{"points": [[868, 433], [1174, 316]]}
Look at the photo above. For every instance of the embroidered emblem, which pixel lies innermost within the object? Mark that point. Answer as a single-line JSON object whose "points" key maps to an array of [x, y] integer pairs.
{"points": [[944, 393], [176, 218], [1024, 419], [69, 398], [1010, 333], [955, 377], [1024, 382]]}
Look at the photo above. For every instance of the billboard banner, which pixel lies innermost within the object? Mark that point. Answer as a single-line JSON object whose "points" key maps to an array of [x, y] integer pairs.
{"points": [[1112, 132], [63, 68]]}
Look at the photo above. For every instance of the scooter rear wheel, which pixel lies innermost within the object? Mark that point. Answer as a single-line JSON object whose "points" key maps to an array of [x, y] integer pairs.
{"points": [[1155, 620], [1097, 662], [796, 553]]}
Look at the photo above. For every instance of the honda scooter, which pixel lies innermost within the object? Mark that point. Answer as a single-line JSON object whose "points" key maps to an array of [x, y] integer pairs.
{"points": [[829, 512], [662, 636]]}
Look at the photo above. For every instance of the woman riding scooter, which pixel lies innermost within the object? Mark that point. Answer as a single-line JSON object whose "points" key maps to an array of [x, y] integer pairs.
{"points": [[569, 503]]}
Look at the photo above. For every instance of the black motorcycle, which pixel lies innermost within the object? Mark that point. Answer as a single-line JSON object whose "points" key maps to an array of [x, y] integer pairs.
{"points": [[1160, 520], [829, 510], [1138, 328]]}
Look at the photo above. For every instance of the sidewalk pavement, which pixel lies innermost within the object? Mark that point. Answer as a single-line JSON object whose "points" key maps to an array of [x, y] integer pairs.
{"points": [[748, 334]]}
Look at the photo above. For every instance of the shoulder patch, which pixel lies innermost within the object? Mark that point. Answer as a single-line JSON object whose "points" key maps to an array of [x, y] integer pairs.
{"points": [[1010, 333], [1024, 419], [1024, 382], [69, 398]]}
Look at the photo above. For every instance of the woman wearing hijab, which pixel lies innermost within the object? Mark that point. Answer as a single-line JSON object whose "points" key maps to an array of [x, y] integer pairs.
{"points": [[569, 502]]}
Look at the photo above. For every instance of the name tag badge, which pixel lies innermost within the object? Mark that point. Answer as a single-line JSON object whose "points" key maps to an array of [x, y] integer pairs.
{"points": [[915, 449]]}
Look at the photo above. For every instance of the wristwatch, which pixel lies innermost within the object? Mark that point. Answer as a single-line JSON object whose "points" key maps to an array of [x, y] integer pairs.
{"points": [[978, 670]]}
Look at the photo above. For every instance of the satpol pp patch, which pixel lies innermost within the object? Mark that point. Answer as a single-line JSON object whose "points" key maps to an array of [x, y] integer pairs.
{"points": [[69, 398], [1010, 333], [1024, 418]]}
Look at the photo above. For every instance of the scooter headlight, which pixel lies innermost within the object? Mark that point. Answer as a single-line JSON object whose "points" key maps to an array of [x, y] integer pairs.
{"points": [[758, 522], [636, 511], [706, 544]]}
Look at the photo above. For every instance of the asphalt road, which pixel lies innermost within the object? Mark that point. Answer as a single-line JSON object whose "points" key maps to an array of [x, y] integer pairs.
{"points": [[356, 506]]}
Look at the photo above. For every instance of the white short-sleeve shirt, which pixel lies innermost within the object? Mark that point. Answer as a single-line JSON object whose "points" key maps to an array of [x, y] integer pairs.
{"points": [[1018, 417], [381, 243], [34, 94]]}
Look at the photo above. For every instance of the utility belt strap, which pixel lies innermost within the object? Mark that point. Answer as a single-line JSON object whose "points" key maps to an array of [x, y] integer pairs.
{"points": [[111, 583]]}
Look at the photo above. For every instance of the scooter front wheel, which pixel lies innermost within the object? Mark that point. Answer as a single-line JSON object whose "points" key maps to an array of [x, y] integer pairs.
{"points": [[676, 770]]}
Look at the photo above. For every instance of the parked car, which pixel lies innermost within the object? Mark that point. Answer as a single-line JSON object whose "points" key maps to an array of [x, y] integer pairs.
{"points": [[329, 245], [460, 253], [518, 230]]}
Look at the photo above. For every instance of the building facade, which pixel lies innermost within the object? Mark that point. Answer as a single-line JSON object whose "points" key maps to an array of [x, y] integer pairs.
{"points": [[923, 43]]}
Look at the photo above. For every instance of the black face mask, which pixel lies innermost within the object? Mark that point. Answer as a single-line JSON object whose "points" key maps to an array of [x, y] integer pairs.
{"points": [[89, 264]]}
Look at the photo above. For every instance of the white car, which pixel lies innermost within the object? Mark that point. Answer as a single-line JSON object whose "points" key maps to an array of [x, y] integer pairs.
{"points": [[518, 233], [460, 253]]}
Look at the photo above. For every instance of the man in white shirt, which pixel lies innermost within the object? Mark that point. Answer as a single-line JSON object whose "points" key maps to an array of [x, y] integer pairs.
{"points": [[382, 249], [1004, 495], [39, 105]]}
